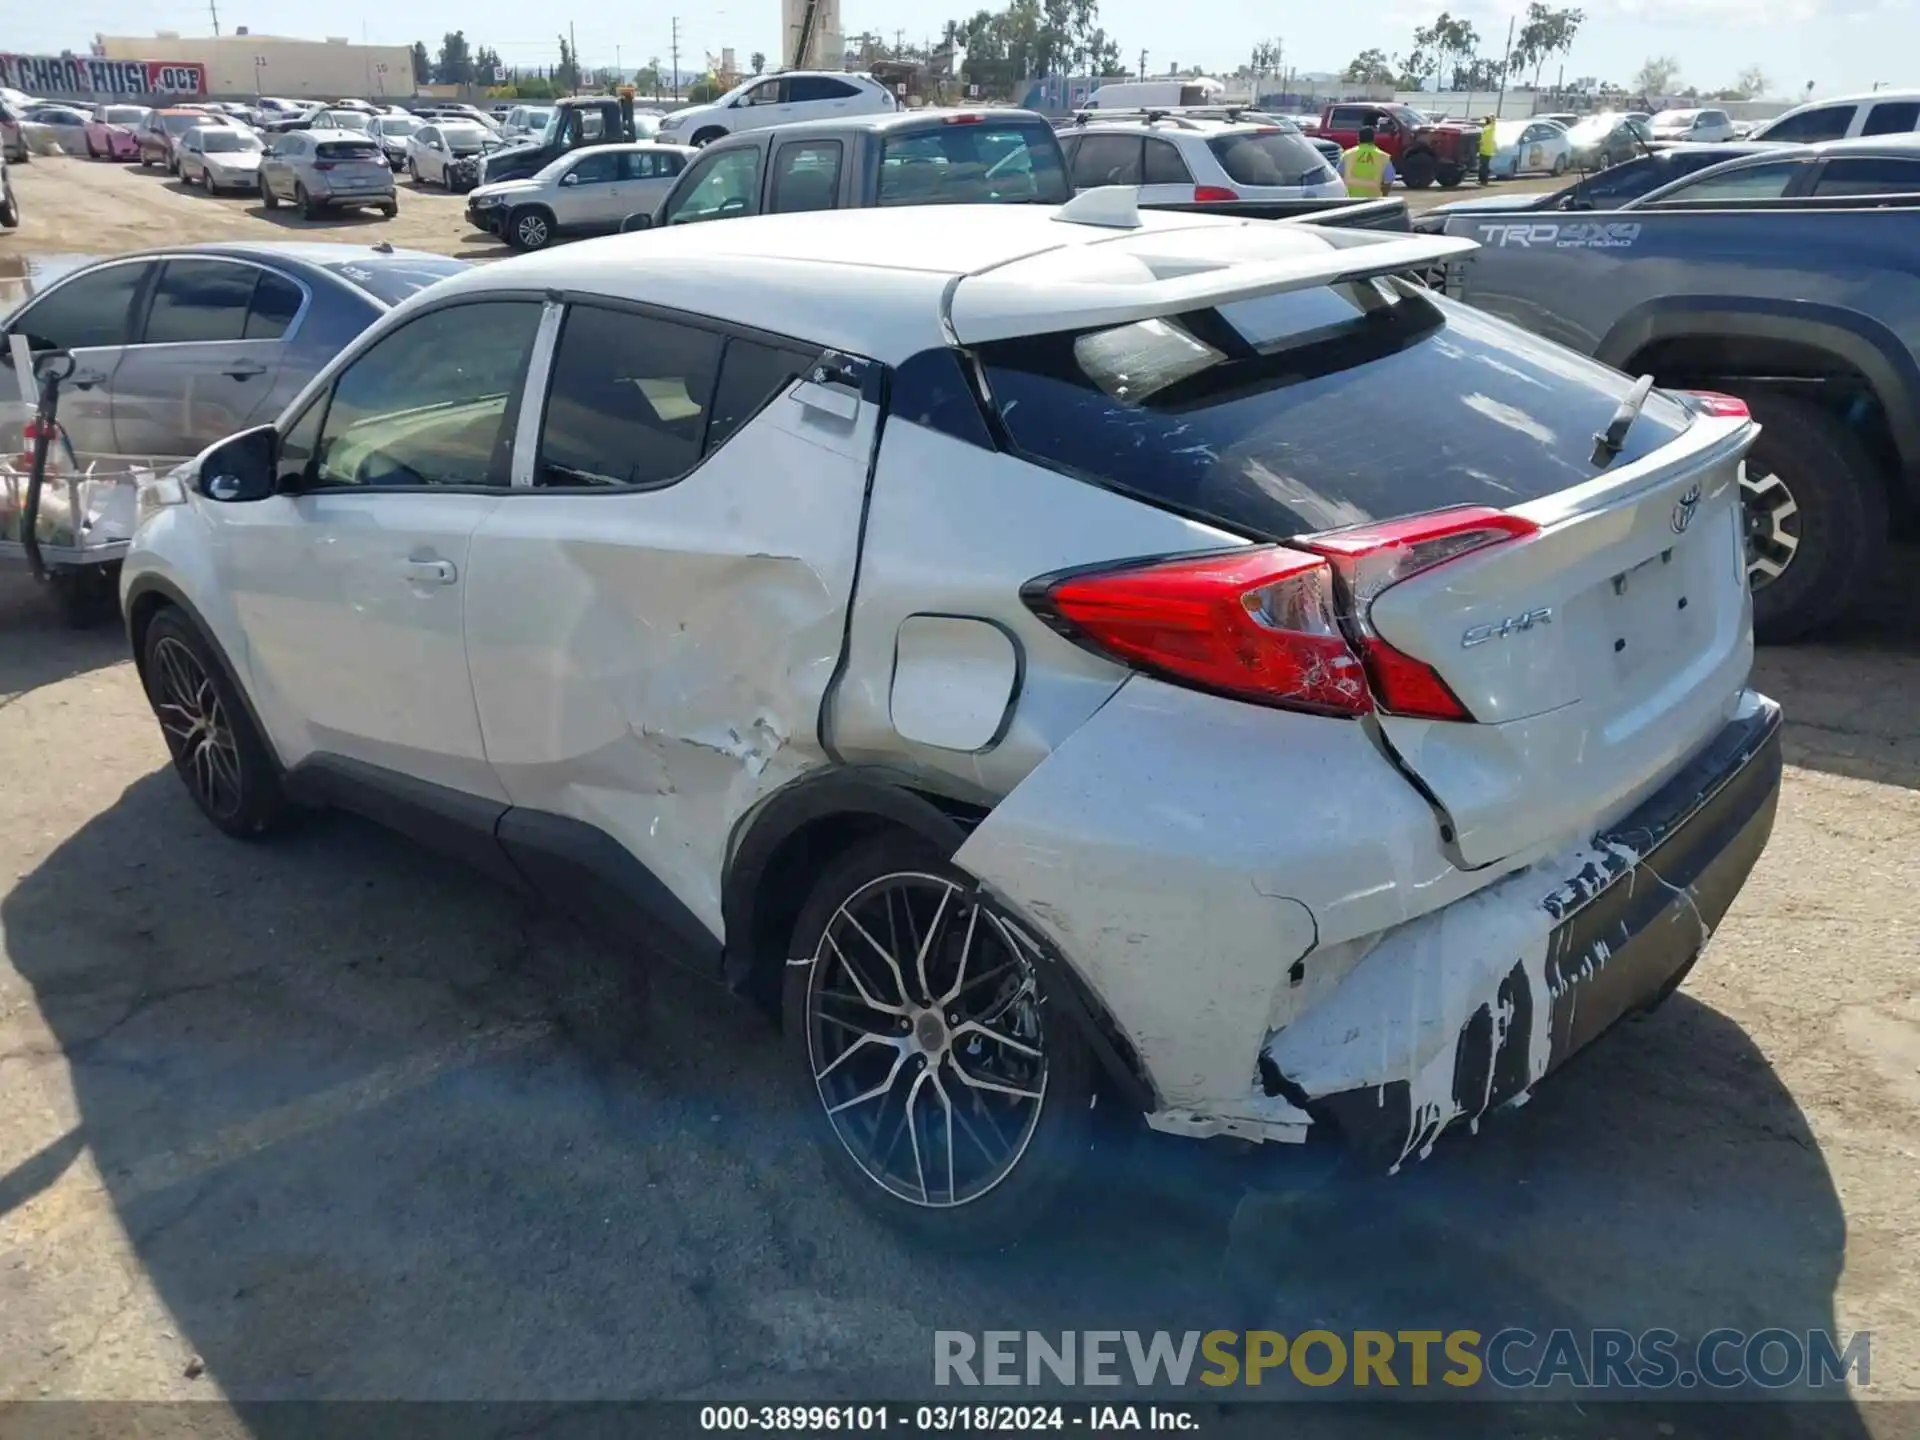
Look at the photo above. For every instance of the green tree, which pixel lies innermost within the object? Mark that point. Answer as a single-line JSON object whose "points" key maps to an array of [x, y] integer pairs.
{"points": [[422, 63], [1370, 67], [646, 80], [1547, 32], [758, 61], [1750, 84], [485, 62], [1477, 74], [1656, 76], [455, 65], [567, 73], [704, 90]]}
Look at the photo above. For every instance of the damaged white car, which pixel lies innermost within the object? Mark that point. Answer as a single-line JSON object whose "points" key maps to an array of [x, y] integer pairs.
{"points": [[1003, 642]]}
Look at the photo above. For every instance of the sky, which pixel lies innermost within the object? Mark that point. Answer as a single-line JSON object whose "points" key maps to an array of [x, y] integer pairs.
{"points": [[1838, 45]]}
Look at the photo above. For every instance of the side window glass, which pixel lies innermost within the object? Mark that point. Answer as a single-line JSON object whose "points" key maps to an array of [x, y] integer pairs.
{"points": [[1895, 117], [88, 310], [596, 170], [297, 445], [628, 401], [276, 300], [806, 176], [1164, 165], [1346, 118], [593, 125], [751, 374], [198, 301], [1751, 182], [1107, 160], [1830, 122], [721, 185], [1869, 175], [429, 403]]}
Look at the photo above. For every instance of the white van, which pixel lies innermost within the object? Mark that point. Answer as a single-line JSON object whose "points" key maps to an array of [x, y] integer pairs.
{"points": [[1155, 94]]}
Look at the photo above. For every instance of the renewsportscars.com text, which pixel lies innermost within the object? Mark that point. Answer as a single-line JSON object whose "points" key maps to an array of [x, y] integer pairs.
{"points": [[1511, 1359]]}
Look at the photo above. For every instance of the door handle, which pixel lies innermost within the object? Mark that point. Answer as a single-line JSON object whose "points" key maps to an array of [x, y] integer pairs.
{"points": [[244, 369], [430, 572]]}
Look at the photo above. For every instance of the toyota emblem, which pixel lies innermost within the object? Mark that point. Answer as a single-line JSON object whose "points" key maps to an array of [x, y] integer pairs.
{"points": [[1683, 509]]}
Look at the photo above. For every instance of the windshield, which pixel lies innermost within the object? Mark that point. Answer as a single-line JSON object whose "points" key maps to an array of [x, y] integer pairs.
{"points": [[180, 124], [1674, 117], [1594, 127], [536, 119], [224, 141], [463, 138], [343, 120], [1508, 132], [972, 164], [391, 281], [1407, 115], [125, 114], [394, 125]]}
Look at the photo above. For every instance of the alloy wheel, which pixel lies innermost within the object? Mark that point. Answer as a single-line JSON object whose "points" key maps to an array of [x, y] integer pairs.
{"points": [[532, 231], [195, 724], [925, 1037], [1772, 524]]}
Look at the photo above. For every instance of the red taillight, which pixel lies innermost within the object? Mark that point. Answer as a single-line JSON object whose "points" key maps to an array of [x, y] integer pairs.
{"points": [[1370, 558], [323, 164], [1721, 407], [1258, 624], [1214, 195]]}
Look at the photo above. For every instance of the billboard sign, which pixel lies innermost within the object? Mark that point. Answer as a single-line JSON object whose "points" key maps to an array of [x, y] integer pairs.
{"points": [[90, 75]]}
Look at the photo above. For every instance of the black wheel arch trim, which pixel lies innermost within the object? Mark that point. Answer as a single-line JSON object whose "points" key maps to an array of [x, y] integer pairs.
{"points": [[1860, 341], [146, 588], [892, 796]]}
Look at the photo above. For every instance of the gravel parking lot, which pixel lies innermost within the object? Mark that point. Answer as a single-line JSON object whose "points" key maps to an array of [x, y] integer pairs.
{"points": [[331, 1118]]}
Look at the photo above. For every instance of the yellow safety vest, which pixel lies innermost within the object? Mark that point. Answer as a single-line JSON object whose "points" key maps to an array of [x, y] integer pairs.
{"points": [[1487, 143], [1364, 168]]}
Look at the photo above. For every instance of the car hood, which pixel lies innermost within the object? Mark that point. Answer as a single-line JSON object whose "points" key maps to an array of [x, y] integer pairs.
{"points": [[234, 160], [681, 119], [509, 154], [502, 187]]}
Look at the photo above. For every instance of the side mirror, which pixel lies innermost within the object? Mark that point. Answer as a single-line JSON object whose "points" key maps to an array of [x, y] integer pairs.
{"points": [[569, 179], [242, 467], [639, 220]]}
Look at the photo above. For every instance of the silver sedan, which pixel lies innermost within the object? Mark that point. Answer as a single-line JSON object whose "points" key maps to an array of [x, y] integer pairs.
{"points": [[220, 157]]}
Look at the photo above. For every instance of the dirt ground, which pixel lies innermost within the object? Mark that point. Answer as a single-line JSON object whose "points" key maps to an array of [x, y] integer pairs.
{"points": [[328, 1117]]}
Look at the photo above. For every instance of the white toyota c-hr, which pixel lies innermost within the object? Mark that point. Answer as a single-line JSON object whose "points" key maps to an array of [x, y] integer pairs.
{"points": [[1036, 653]]}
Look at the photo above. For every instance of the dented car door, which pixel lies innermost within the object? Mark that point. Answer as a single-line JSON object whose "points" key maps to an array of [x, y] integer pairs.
{"points": [[658, 605]]}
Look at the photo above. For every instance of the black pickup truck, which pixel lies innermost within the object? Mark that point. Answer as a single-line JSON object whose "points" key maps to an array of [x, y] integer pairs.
{"points": [[1788, 279], [921, 157], [584, 120]]}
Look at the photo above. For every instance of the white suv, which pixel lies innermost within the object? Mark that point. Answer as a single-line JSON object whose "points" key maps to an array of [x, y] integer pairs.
{"points": [[1178, 159], [775, 100], [1878, 112], [987, 635]]}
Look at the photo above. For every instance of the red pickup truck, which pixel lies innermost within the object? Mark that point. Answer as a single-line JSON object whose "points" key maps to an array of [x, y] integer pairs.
{"points": [[1423, 150]]}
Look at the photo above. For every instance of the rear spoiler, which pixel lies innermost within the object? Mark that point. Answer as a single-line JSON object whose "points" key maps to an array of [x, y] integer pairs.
{"points": [[1003, 303], [1349, 214]]}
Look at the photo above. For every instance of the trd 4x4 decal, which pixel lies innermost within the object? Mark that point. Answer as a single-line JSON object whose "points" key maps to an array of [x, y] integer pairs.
{"points": [[1577, 235]]}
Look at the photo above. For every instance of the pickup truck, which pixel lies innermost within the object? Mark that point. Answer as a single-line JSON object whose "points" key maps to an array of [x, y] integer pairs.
{"points": [[1805, 307], [586, 120], [1423, 150], [924, 157]]}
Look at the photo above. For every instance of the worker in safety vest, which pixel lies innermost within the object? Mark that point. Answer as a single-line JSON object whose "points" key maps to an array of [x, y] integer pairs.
{"points": [[1366, 168], [1487, 146]]}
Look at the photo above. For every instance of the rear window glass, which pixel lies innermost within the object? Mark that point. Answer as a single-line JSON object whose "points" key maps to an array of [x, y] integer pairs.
{"points": [[1264, 416], [1268, 157], [180, 124], [973, 164], [391, 281], [350, 150]]}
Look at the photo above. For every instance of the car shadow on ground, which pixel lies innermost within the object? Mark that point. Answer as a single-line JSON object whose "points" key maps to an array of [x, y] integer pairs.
{"points": [[288, 217], [38, 647], [1851, 695], [376, 1128]]}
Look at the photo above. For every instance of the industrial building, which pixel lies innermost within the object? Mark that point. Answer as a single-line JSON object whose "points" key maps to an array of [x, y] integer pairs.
{"points": [[243, 64], [813, 39]]}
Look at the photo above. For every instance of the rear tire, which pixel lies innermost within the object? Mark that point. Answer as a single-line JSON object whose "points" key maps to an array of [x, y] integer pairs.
{"points": [[310, 209], [387, 212], [218, 754], [1450, 176], [1816, 508], [267, 197], [1416, 170], [9, 212], [1559, 165], [1015, 1148]]}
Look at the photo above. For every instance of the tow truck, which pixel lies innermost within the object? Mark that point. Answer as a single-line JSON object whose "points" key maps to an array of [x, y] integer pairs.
{"points": [[577, 122]]}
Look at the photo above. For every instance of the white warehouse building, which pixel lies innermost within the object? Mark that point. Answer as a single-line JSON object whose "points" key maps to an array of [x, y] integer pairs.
{"points": [[243, 64]]}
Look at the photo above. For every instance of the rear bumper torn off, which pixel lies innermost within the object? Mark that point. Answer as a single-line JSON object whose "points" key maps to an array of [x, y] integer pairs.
{"points": [[1464, 1010]]}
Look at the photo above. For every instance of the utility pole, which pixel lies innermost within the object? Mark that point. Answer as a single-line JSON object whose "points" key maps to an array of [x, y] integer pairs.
{"points": [[1506, 60], [676, 59], [573, 61], [213, 5], [1143, 64]]}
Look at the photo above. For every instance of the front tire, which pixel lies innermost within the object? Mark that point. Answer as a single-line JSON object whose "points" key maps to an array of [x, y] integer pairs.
{"points": [[219, 755], [1416, 170], [1816, 512], [708, 136], [529, 228], [1450, 176], [1559, 165], [950, 1097], [267, 197]]}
